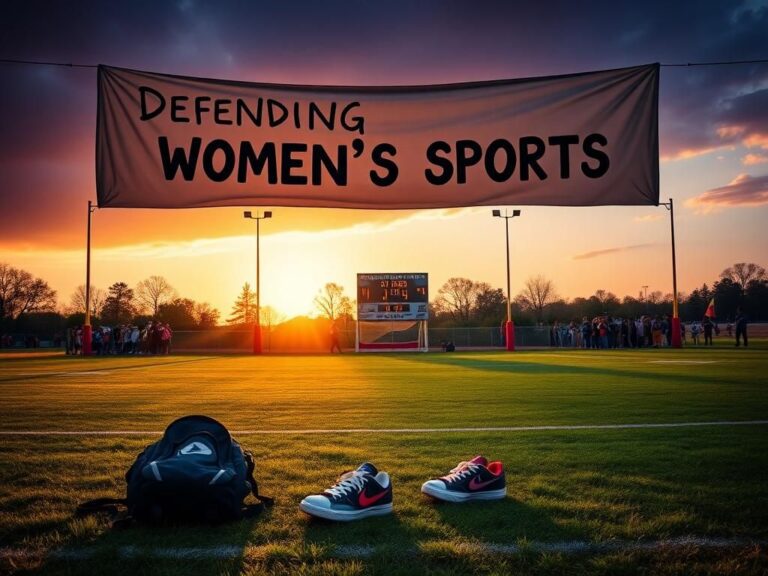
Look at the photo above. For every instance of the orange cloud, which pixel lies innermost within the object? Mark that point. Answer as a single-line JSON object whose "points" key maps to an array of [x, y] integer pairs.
{"points": [[730, 131], [756, 140], [648, 218], [744, 190], [752, 159], [688, 153]]}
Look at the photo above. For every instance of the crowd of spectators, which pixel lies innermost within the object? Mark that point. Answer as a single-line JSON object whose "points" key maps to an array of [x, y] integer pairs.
{"points": [[643, 332], [154, 338]]}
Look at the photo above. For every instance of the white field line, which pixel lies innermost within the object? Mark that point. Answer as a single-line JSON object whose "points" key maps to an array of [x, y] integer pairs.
{"points": [[682, 361], [400, 430], [81, 373], [350, 552]]}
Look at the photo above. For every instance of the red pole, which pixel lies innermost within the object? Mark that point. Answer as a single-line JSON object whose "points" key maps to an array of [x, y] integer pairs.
{"points": [[677, 341], [257, 325], [509, 328], [87, 331]]}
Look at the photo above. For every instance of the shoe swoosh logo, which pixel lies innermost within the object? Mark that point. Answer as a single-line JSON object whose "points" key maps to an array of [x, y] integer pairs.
{"points": [[365, 500], [475, 485]]}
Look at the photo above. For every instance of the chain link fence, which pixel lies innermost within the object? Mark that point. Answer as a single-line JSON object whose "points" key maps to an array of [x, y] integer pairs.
{"points": [[242, 340]]}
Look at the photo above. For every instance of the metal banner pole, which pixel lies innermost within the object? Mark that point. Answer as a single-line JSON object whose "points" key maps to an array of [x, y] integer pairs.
{"points": [[87, 330]]}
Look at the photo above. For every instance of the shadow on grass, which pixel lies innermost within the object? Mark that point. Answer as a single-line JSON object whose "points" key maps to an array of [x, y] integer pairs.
{"points": [[189, 549], [518, 367], [502, 521], [96, 368], [388, 531]]}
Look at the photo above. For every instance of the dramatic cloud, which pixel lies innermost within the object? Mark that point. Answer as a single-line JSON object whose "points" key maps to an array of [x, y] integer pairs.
{"points": [[752, 159], [744, 190], [596, 253], [47, 114]]}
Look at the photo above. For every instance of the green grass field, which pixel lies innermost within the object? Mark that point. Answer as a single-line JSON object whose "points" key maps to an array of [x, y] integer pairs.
{"points": [[669, 500]]}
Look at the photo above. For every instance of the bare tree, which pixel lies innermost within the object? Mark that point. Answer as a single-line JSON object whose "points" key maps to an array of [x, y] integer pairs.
{"points": [[153, 292], [270, 317], [77, 300], [743, 273], [538, 292], [22, 293], [332, 303], [457, 298]]}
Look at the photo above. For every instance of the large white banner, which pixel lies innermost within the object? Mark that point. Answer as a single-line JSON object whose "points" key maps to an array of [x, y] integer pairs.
{"points": [[577, 140]]}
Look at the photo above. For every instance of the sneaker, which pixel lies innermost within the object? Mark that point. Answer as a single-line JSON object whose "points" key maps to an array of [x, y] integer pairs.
{"points": [[357, 494], [473, 480]]}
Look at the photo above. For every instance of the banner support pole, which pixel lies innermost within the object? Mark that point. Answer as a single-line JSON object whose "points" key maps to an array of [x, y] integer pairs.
{"points": [[87, 330], [676, 335]]}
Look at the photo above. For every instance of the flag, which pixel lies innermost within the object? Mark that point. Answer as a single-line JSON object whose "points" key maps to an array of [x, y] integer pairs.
{"points": [[710, 313]]}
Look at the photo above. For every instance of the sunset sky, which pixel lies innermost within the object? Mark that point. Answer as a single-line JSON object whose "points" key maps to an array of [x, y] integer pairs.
{"points": [[713, 139]]}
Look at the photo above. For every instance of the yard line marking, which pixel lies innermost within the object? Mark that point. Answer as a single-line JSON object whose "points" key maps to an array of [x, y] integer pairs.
{"points": [[352, 551], [682, 361], [399, 430]]}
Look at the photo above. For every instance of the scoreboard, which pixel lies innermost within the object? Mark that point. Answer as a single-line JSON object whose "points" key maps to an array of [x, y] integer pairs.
{"points": [[392, 296]]}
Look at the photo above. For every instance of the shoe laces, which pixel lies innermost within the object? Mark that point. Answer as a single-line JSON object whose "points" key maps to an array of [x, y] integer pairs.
{"points": [[461, 471], [347, 482]]}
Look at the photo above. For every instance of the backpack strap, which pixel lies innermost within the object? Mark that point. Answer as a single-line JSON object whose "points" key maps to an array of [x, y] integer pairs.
{"points": [[121, 519], [251, 464]]}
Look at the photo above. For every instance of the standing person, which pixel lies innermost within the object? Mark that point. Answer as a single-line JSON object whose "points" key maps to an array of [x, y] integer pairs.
{"points": [[586, 333], [334, 334], [695, 330], [741, 327], [707, 325], [656, 332]]}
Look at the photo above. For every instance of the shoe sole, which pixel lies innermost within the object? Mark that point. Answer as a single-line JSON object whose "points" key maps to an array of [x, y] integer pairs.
{"points": [[452, 496], [345, 515]]}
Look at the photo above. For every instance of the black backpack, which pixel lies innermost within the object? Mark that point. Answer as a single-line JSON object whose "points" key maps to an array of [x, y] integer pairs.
{"points": [[195, 473]]}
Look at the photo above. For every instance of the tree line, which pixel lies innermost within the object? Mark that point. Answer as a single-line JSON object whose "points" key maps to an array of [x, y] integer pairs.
{"points": [[29, 304], [464, 302]]}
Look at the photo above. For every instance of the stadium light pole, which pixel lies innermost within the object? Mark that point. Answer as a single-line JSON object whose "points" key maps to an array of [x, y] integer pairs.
{"points": [[257, 325], [677, 341], [87, 330], [509, 327]]}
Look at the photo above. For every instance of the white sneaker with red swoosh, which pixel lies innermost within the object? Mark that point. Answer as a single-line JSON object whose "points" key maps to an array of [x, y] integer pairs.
{"points": [[357, 494], [469, 481]]}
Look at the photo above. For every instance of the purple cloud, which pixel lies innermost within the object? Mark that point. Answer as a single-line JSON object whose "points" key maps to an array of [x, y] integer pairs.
{"points": [[744, 190], [596, 253]]}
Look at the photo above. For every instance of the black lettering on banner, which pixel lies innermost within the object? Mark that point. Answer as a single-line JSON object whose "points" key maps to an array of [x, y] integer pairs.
{"points": [[248, 157], [177, 107], [316, 112], [172, 163], [288, 163], [445, 176], [272, 105], [241, 106], [145, 114], [530, 159], [358, 122], [377, 155], [603, 161], [221, 108], [509, 165], [468, 153], [229, 160], [320, 158], [565, 159], [200, 108]]}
